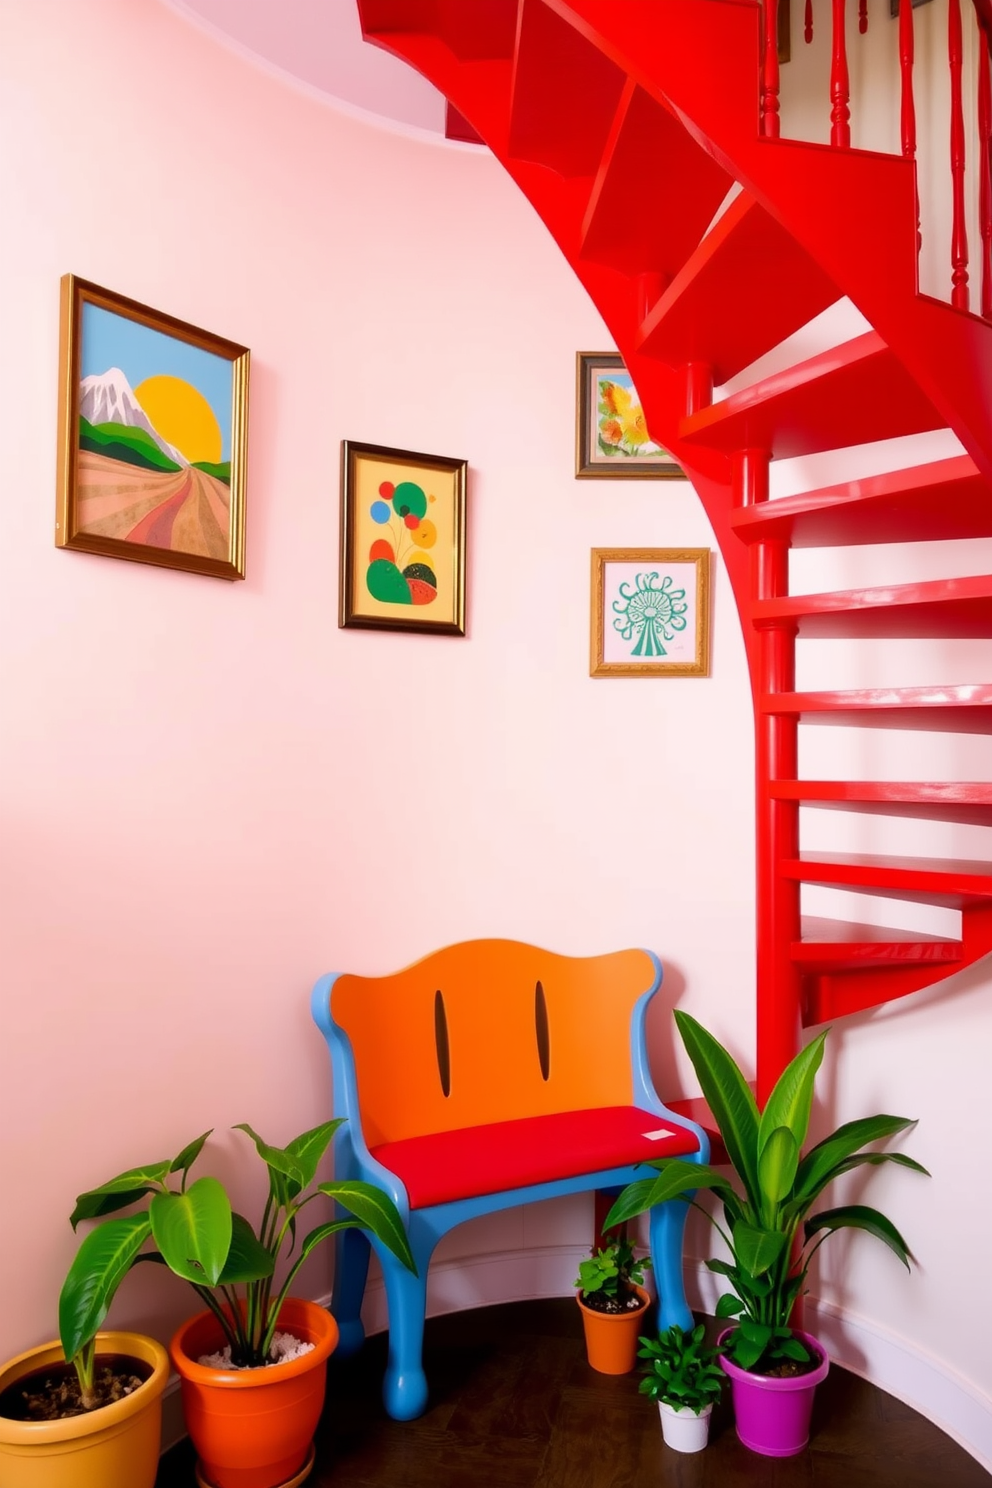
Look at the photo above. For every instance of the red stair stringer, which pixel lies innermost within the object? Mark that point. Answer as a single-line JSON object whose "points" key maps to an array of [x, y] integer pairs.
{"points": [[575, 113]]}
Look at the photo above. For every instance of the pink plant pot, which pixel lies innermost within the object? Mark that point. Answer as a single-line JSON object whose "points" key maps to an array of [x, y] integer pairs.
{"points": [[773, 1415]]}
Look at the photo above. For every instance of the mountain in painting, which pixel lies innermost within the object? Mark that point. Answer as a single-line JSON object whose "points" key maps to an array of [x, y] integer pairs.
{"points": [[107, 398]]}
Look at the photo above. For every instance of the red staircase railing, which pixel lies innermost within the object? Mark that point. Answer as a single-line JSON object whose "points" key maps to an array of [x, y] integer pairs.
{"points": [[979, 13]]}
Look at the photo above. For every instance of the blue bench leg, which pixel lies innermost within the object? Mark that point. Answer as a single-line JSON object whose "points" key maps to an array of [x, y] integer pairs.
{"points": [[666, 1231], [351, 1268], [404, 1389]]}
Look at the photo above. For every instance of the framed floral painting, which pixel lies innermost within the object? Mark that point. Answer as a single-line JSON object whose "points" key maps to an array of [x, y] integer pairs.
{"points": [[402, 540], [611, 437], [650, 612]]}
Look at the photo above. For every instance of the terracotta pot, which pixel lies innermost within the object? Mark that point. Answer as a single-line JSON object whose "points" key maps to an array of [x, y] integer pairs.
{"points": [[116, 1446], [611, 1337], [773, 1415], [252, 1428]]}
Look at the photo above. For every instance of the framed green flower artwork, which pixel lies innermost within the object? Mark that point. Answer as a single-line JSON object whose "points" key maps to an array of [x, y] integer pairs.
{"points": [[402, 540], [650, 612], [611, 437]]}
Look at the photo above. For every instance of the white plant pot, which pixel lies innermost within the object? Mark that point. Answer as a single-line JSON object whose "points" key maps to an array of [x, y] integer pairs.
{"points": [[682, 1429]]}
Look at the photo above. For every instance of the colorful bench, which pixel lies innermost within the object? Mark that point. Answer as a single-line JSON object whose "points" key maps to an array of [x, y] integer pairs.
{"points": [[489, 1074]]}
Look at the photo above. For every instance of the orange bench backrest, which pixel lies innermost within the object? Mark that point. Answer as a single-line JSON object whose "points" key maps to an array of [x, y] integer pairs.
{"points": [[456, 1039]]}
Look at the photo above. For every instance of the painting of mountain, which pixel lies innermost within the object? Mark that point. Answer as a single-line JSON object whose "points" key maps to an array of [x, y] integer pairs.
{"points": [[153, 435]]}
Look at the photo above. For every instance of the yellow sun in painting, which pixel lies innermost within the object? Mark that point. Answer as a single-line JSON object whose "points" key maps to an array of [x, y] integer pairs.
{"points": [[182, 416]]}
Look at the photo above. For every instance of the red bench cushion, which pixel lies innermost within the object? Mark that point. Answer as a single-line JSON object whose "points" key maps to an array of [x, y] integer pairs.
{"points": [[477, 1160]]}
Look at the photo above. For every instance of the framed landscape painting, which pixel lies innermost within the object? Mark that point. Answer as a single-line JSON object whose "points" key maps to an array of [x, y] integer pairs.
{"points": [[650, 612], [153, 428], [611, 437], [402, 540]]}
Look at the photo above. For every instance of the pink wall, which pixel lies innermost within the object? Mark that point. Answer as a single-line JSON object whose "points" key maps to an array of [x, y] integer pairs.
{"points": [[212, 794]]}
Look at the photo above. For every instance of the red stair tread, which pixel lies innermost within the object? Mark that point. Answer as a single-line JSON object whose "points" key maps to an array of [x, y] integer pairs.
{"points": [[962, 709], [561, 116], [941, 608], [646, 136], [953, 882], [833, 945], [927, 503], [852, 394], [726, 307], [966, 801], [485, 29]]}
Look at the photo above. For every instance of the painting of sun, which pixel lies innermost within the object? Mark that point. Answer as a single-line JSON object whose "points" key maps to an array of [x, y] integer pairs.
{"points": [[153, 423]]}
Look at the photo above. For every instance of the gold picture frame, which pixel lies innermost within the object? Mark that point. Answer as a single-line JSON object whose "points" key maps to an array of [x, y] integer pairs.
{"points": [[152, 436], [611, 438], [402, 540], [650, 612]]}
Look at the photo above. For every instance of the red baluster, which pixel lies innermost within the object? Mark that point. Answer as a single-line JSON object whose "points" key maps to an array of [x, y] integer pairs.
{"points": [[770, 77], [840, 87], [863, 16], [984, 167], [959, 231], [908, 104], [809, 22]]}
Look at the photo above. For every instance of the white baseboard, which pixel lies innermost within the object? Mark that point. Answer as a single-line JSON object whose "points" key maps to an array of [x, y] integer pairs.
{"points": [[886, 1359], [173, 1422]]}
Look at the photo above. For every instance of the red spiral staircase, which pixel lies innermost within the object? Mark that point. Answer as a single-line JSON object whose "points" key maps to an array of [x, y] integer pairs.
{"points": [[626, 123]]}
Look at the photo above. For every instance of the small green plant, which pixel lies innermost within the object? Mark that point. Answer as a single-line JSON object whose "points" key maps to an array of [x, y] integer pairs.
{"points": [[199, 1237], [608, 1278], [764, 1221], [682, 1370]]}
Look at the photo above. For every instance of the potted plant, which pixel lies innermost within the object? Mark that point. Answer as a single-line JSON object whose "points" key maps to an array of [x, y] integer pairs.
{"points": [[252, 1411], [84, 1411], [686, 1380], [770, 1233], [612, 1301]]}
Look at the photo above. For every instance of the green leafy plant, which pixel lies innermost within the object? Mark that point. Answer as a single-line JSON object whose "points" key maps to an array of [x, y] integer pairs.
{"points": [[769, 1231], [202, 1239], [608, 1278], [682, 1370]]}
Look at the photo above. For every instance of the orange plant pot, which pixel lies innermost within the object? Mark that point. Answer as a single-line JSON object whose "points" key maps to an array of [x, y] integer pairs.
{"points": [[611, 1337], [252, 1428]]}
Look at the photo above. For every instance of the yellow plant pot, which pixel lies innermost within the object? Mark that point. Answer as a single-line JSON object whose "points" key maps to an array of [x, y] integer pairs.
{"points": [[116, 1446]]}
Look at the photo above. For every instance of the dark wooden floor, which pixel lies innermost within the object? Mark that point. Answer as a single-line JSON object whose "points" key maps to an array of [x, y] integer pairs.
{"points": [[514, 1405]]}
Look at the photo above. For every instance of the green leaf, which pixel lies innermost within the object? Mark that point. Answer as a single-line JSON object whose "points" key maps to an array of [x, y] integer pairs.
{"points": [[859, 1217], [102, 1261], [777, 1166], [729, 1306], [247, 1259], [376, 1212], [120, 1191], [791, 1101], [193, 1230], [309, 1148], [95, 1205], [728, 1096], [822, 1163], [675, 1179], [189, 1154], [276, 1159], [758, 1250]]}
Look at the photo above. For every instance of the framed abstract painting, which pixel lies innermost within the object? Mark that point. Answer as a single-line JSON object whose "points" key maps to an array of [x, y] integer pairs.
{"points": [[611, 437], [650, 612], [153, 435], [402, 540]]}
